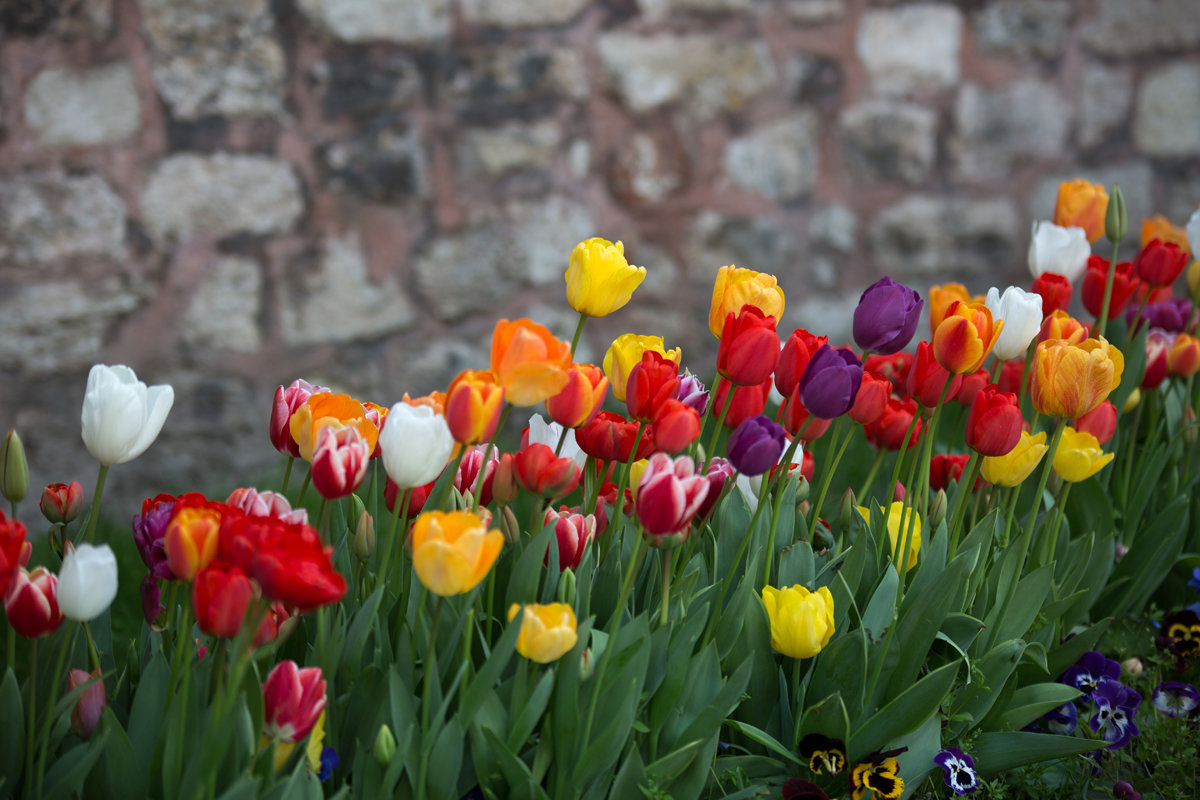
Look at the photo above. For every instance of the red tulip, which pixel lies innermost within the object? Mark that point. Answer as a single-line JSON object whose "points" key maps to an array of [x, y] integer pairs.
{"points": [[293, 700], [1157, 345], [339, 461], [1160, 263], [573, 531], [85, 716], [288, 560], [1010, 376], [1055, 290], [676, 426], [749, 347], [12, 546], [1100, 422], [62, 502], [610, 437], [945, 468], [582, 397], [1124, 284], [668, 496], [286, 402], [797, 351], [927, 378], [894, 367], [31, 603], [871, 399], [416, 497], [971, 385], [539, 471], [652, 382], [800, 422], [748, 401], [994, 422], [887, 432], [221, 595]]}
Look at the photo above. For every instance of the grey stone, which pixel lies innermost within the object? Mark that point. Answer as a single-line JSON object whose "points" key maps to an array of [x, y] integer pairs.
{"points": [[68, 108], [579, 157], [815, 12], [825, 315], [215, 57], [759, 243], [912, 47], [1127, 28], [648, 167], [502, 82], [495, 151], [1167, 123], [706, 74], [824, 272], [812, 79], [999, 128], [884, 140], [1181, 195], [385, 164], [219, 195], [46, 216], [332, 299], [91, 19], [655, 9], [362, 84], [405, 21], [521, 13], [543, 235], [1023, 28], [779, 159], [61, 324], [922, 237], [434, 363], [1104, 102], [834, 226], [1135, 178], [224, 308]]}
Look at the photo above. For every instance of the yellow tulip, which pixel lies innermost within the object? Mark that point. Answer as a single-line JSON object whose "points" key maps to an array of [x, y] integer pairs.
{"points": [[801, 621], [1069, 380], [625, 353], [1079, 456], [896, 535], [452, 551], [599, 279], [326, 409], [1011, 469], [1081, 205], [736, 287], [312, 750], [547, 631]]}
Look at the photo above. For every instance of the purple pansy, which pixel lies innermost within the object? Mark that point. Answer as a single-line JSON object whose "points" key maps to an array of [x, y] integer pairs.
{"points": [[1115, 708], [1062, 720], [1175, 699], [959, 768], [1090, 671]]}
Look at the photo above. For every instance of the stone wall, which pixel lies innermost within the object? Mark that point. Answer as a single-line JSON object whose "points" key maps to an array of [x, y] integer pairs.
{"points": [[228, 194]]}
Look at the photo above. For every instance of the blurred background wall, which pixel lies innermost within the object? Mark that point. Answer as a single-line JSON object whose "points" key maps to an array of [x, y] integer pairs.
{"points": [[229, 194]]}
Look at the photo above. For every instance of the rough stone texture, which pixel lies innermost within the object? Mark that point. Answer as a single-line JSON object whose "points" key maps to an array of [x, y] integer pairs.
{"points": [[938, 239], [1022, 28], [759, 243], [812, 79], [1136, 180], [224, 308], [832, 315], [68, 108], [215, 56], [704, 73], [834, 226], [1167, 123], [406, 21], [47, 216], [912, 47], [1104, 102], [648, 167], [998, 129], [888, 141], [501, 82], [1180, 195], [495, 151], [218, 195], [778, 159], [1126, 28], [543, 234], [386, 165], [521, 13], [655, 9], [69, 20], [361, 84], [815, 12], [332, 299]]}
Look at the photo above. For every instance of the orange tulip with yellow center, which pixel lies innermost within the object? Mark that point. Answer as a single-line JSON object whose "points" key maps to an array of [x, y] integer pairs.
{"points": [[529, 361], [736, 287], [1081, 205], [940, 300], [325, 409], [581, 399], [965, 337], [473, 404], [1069, 380], [453, 551]]}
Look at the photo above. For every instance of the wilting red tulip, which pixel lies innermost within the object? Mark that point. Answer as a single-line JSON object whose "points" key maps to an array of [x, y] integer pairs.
{"points": [[573, 531], [85, 716], [747, 401], [994, 422], [749, 347], [1125, 282], [1055, 290], [61, 502], [871, 399], [31, 603], [339, 462], [545, 474], [582, 397], [927, 378], [473, 404], [1160, 263], [668, 496], [676, 426], [887, 432], [610, 437], [293, 700], [652, 382], [1100, 422], [797, 351], [945, 468], [221, 595]]}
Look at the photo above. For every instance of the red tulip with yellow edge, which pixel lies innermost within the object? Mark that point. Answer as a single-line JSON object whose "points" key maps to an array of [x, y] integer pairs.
{"points": [[736, 287], [1183, 359], [192, 535], [1081, 204], [453, 551], [473, 404], [582, 397], [529, 361], [326, 409], [965, 337], [1069, 380]]}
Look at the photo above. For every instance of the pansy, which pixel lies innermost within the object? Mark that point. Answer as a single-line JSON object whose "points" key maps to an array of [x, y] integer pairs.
{"points": [[1115, 707], [879, 773], [960, 770], [1195, 581], [825, 755], [1176, 699], [1091, 670], [1181, 635], [1062, 720]]}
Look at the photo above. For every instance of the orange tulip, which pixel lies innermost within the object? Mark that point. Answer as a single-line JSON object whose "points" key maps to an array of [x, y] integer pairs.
{"points": [[940, 300], [1159, 227], [1069, 380], [452, 552], [435, 400], [1183, 359], [1061, 325], [736, 287], [473, 405], [328, 409], [963, 340], [529, 361], [581, 399], [192, 535], [1081, 205]]}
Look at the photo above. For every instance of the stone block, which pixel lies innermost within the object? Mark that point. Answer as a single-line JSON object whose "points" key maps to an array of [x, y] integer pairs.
{"points": [[779, 159], [515, 145], [220, 195], [385, 164], [90, 19], [69, 108], [1104, 102], [815, 12], [224, 308], [812, 79], [997, 129], [924, 237], [716, 240], [888, 141], [404, 21], [655, 9], [829, 315], [1167, 121], [365, 84], [648, 167], [521, 13], [1023, 28], [486, 84], [834, 226], [911, 47], [47, 216], [1129, 28]]}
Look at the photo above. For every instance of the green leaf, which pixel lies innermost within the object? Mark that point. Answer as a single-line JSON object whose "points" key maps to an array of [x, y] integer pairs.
{"points": [[918, 626], [1011, 620], [976, 699], [917, 761], [523, 583], [531, 712], [828, 718], [122, 778], [999, 751], [765, 739], [489, 674], [841, 670], [12, 732], [356, 638], [445, 762], [631, 777], [797, 564], [671, 765], [1029, 703], [880, 612], [67, 775], [904, 714], [1135, 366], [1153, 552]]}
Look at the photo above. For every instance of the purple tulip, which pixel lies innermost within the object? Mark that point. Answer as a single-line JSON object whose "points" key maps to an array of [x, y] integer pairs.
{"points": [[1170, 315], [756, 445], [830, 382], [886, 317], [691, 392]]}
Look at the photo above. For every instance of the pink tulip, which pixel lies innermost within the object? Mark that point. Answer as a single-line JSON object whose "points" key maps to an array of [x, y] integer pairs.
{"points": [[293, 699]]}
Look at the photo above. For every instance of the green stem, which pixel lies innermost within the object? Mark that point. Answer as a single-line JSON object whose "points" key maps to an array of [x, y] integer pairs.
{"points": [[287, 474], [55, 680], [29, 730], [965, 487], [95, 510], [664, 613], [829, 470], [784, 468], [1037, 497], [93, 655], [1052, 539], [909, 524], [718, 416], [578, 333], [304, 487], [871, 474], [453, 470], [1102, 323], [901, 455]]}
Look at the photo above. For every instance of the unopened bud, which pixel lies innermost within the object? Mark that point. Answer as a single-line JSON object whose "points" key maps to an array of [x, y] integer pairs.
{"points": [[14, 470], [1193, 276], [62, 502], [937, 509], [1115, 220], [1133, 666], [566, 587], [899, 493], [1189, 424], [587, 664], [1132, 401], [802, 489], [509, 525], [364, 536], [847, 508], [385, 746], [1120, 551]]}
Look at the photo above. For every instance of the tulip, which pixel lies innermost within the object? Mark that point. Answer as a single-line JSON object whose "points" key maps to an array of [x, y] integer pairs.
{"points": [[1193, 240], [1061, 325], [1173, 315], [610, 437], [1157, 345], [121, 415], [289, 561], [1183, 359], [221, 595], [747, 401], [1021, 314], [1079, 456], [801, 621], [555, 437], [692, 393], [1125, 282], [886, 317], [14, 469], [1161, 228], [529, 361], [1160, 263], [377, 416], [287, 401], [573, 531], [749, 347], [544, 474], [887, 432], [994, 422], [327, 410], [871, 400], [1012, 377], [668, 495], [802, 423], [1016, 465], [940, 300], [453, 551], [895, 513], [31, 603], [756, 445], [927, 378], [1060, 250], [1081, 205], [894, 367], [417, 497], [797, 351], [339, 462], [150, 531], [85, 716], [12, 546], [599, 279], [675, 427], [652, 382], [944, 469], [547, 631], [87, 582], [1100, 422], [473, 404], [62, 502], [293, 700], [1055, 291], [736, 287], [719, 471], [971, 386], [1067, 380], [831, 381], [1145, 294], [965, 337], [625, 353], [581, 399], [192, 536], [254, 503], [483, 457], [416, 444]]}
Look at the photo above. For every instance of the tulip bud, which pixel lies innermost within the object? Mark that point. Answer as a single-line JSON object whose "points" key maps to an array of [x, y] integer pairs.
{"points": [[847, 508], [509, 525], [385, 746], [364, 536], [61, 502], [1132, 401], [1115, 220], [566, 586], [937, 509], [802, 489], [1133, 666], [587, 664], [90, 705], [1120, 551], [14, 469]]}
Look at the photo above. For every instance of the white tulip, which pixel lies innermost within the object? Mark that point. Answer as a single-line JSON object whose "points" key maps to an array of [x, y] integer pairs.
{"points": [[547, 433], [1022, 315], [1060, 250], [416, 443], [1193, 233], [121, 415], [87, 582]]}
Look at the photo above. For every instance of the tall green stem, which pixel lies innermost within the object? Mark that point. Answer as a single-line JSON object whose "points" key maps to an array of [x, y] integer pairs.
{"points": [[664, 613], [829, 470], [1037, 497], [965, 488], [95, 510], [1102, 323], [578, 332]]}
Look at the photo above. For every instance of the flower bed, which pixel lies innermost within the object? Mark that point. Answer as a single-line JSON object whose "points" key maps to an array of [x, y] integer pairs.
{"points": [[840, 572]]}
